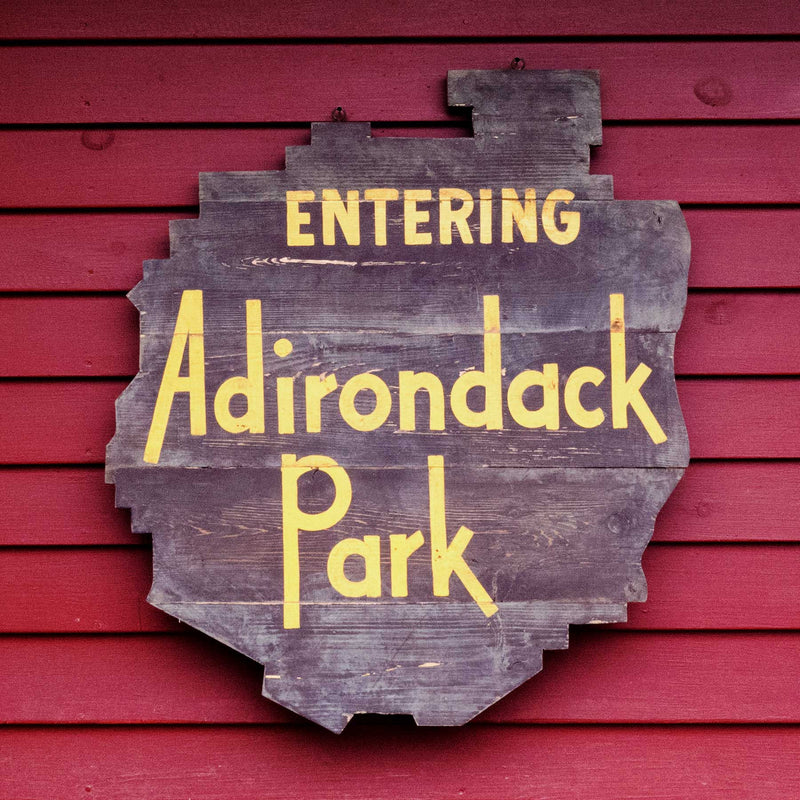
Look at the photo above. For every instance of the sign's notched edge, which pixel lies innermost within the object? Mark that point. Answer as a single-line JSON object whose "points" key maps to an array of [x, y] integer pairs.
{"points": [[497, 117]]}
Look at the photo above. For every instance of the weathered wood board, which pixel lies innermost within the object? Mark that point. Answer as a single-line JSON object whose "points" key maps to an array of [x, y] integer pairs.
{"points": [[407, 409]]}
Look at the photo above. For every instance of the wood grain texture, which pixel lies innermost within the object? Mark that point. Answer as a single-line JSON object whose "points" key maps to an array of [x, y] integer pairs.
{"points": [[731, 248], [742, 677], [76, 418], [742, 247], [79, 591], [573, 556], [733, 501], [722, 334], [719, 416], [714, 502], [738, 334], [105, 251], [326, 19], [135, 167], [563, 763], [267, 83], [604, 677], [61, 506], [701, 586]]}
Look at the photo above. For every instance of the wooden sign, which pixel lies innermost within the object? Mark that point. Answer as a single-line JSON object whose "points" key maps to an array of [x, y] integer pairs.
{"points": [[407, 409]]}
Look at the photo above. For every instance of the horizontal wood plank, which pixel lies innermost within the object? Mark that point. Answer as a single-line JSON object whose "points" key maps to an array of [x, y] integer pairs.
{"points": [[403, 82], [722, 334], [61, 506], [606, 676], [73, 590], [106, 705], [82, 252], [731, 248], [645, 678], [78, 590], [59, 336], [714, 502], [733, 501], [742, 418], [74, 420], [326, 19], [739, 334], [136, 167], [743, 247], [623, 763]]}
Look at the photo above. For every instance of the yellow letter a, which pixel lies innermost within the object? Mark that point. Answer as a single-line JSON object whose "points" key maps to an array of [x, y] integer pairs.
{"points": [[188, 328]]}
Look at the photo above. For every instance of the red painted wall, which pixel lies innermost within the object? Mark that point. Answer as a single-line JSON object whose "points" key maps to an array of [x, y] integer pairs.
{"points": [[108, 112]]}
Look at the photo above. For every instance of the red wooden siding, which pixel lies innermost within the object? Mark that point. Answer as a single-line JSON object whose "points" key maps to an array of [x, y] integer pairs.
{"points": [[443, 19], [748, 247], [717, 501], [395, 759], [726, 586], [75, 419], [71, 336], [145, 167], [266, 82], [107, 114], [646, 677]]}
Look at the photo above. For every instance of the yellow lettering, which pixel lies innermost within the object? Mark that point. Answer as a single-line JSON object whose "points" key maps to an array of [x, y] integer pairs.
{"points": [[317, 387], [401, 547], [486, 216], [409, 384], [571, 219], [490, 378], [627, 391], [412, 216], [379, 197], [285, 394], [285, 390], [295, 218], [296, 520], [365, 381], [368, 550], [448, 558], [347, 217], [448, 216], [513, 212], [188, 329], [547, 416], [586, 418], [252, 387]]}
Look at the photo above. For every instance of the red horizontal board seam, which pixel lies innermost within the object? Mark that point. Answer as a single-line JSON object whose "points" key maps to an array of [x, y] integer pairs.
{"points": [[389, 39], [745, 248], [89, 21], [92, 74], [708, 763], [282, 726], [98, 465], [108, 634], [76, 294], [368, 719], [190, 633], [712, 545], [458, 123], [755, 164]]}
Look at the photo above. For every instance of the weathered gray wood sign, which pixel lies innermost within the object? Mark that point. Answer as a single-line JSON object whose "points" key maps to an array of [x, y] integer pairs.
{"points": [[407, 409]]}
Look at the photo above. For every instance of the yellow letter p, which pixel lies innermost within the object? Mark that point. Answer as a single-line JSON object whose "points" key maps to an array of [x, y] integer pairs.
{"points": [[295, 520]]}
